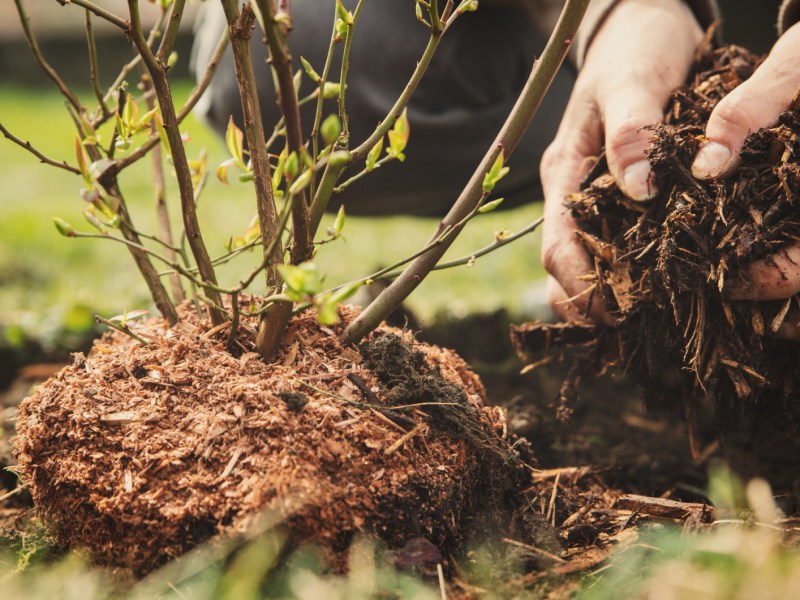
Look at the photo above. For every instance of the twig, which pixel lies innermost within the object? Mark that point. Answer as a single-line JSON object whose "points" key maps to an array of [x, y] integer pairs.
{"points": [[122, 329], [94, 72], [159, 192], [37, 53], [12, 493], [164, 94], [535, 550], [281, 62], [42, 158], [171, 32], [99, 11], [442, 586], [196, 94], [530, 98], [348, 42], [403, 439], [273, 322]]}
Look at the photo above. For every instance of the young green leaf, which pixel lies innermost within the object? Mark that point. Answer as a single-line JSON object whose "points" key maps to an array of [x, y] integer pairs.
{"points": [[398, 137], [222, 170], [83, 162], [312, 74], [374, 154], [495, 174], [338, 222], [234, 140], [490, 206], [94, 221], [300, 183], [343, 13], [301, 280]]}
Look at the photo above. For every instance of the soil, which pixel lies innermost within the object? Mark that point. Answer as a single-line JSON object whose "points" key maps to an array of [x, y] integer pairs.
{"points": [[140, 452], [661, 269]]}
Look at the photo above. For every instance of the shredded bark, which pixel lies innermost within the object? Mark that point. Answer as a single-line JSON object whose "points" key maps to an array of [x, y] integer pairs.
{"points": [[661, 268], [140, 452]]}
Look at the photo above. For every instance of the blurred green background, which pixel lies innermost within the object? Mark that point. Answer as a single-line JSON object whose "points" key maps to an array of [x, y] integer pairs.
{"points": [[47, 281]]}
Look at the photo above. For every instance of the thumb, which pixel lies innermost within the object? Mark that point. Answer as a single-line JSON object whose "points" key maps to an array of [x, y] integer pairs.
{"points": [[756, 103], [626, 115]]}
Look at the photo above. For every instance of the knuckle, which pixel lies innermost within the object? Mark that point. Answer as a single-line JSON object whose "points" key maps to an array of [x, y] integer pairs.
{"points": [[551, 255], [731, 116], [629, 136]]}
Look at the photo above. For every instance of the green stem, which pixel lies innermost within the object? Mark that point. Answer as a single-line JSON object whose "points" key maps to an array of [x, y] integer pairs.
{"points": [[541, 76], [345, 135]]}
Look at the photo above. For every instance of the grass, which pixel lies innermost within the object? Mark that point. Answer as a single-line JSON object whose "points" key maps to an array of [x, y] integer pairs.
{"points": [[46, 279]]}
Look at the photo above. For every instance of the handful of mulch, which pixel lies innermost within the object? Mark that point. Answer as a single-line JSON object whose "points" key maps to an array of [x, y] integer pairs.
{"points": [[661, 266]]}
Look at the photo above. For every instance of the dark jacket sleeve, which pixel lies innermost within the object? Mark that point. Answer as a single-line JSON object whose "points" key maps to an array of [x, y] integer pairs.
{"points": [[788, 15]]}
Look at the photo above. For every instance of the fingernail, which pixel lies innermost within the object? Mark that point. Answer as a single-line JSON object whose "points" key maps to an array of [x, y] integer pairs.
{"points": [[637, 181], [711, 161]]}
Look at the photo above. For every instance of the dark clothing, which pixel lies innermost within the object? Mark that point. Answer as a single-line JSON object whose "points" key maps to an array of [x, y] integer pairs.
{"points": [[481, 65]]}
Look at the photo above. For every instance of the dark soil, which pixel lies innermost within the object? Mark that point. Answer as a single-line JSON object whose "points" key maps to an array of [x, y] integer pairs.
{"points": [[661, 268], [140, 452]]}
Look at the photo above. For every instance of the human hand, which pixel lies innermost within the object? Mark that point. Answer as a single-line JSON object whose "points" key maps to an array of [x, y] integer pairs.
{"points": [[757, 103], [640, 54]]}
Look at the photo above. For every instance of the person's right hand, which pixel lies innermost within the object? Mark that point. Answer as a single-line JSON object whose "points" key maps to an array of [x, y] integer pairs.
{"points": [[639, 55]]}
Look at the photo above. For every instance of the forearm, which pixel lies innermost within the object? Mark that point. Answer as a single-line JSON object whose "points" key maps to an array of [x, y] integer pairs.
{"points": [[544, 14]]}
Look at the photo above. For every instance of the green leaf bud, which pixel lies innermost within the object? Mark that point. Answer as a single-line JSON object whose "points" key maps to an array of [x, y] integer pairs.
{"points": [[63, 227], [331, 128]]}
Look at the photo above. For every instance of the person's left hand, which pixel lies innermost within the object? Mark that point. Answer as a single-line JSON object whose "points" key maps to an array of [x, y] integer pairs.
{"points": [[757, 103]]}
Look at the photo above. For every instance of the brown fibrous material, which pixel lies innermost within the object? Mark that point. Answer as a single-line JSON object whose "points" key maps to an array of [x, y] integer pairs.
{"points": [[662, 267], [140, 452]]}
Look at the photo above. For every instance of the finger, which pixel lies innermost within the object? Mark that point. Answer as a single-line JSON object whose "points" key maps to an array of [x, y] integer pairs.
{"points": [[772, 278], [790, 328], [563, 168], [756, 103], [633, 90], [627, 141]]}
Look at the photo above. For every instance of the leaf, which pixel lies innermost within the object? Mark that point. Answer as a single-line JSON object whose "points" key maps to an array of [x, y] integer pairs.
{"points": [[343, 13], [162, 134], [312, 74], [222, 170], [128, 316], [338, 223], [374, 154], [490, 206], [398, 137], [94, 221], [327, 313], [234, 140], [300, 183], [301, 280], [83, 162], [331, 128], [495, 173], [346, 292]]}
